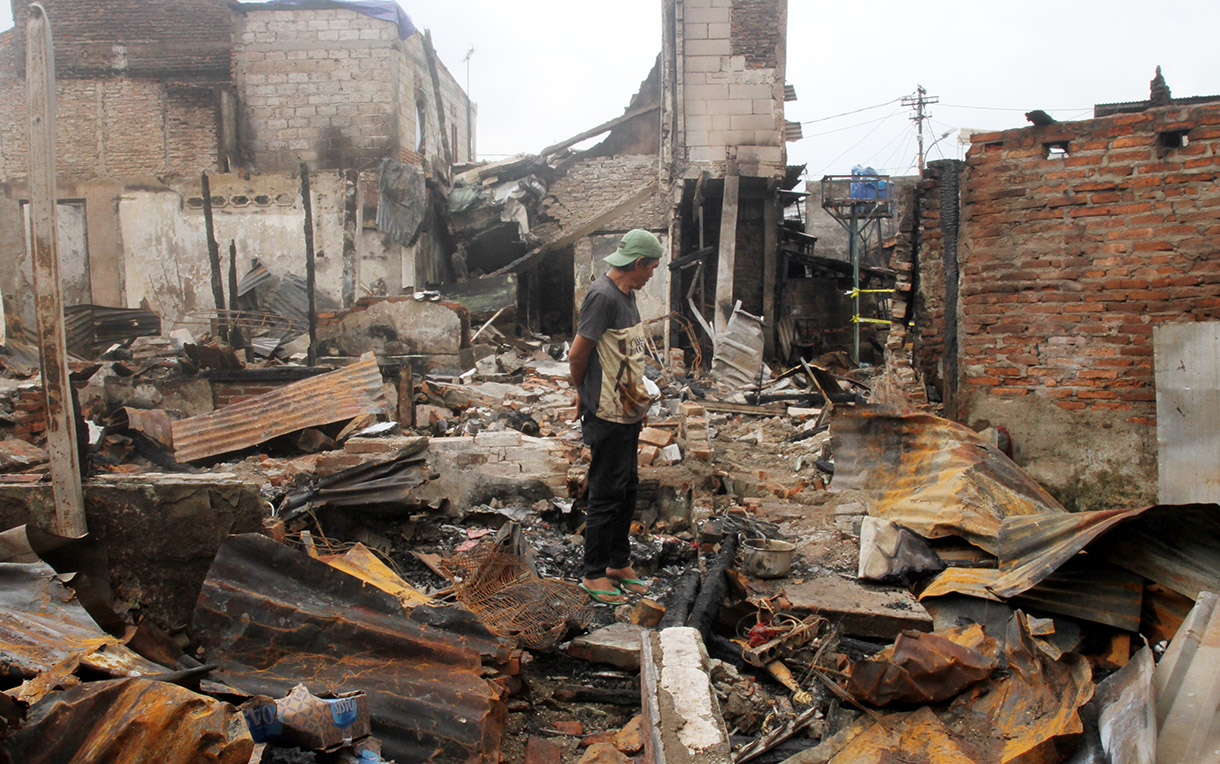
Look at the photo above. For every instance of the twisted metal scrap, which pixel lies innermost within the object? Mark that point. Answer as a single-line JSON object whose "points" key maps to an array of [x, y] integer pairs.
{"points": [[495, 583]]}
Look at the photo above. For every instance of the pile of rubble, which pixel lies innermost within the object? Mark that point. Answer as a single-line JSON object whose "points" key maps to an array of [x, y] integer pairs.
{"points": [[832, 580]]}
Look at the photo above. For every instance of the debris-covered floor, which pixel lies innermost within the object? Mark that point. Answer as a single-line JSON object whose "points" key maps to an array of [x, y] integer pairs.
{"points": [[831, 580]]}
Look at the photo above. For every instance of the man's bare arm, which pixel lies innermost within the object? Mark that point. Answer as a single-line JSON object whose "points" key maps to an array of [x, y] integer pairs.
{"points": [[578, 359]]}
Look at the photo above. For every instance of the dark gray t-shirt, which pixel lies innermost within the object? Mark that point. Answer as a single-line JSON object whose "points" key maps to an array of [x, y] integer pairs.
{"points": [[613, 387]]}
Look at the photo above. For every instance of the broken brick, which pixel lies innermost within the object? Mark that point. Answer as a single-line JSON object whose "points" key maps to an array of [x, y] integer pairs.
{"points": [[569, 727], [655, 436], [541, 751]]}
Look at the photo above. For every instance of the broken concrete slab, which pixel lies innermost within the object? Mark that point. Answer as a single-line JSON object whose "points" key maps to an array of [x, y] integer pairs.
{"points": [[863, 610], [617, 644], [683, 723], [394, 326]]}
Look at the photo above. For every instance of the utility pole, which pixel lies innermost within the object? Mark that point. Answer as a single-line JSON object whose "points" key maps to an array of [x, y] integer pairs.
{"points": [[919, 101]]}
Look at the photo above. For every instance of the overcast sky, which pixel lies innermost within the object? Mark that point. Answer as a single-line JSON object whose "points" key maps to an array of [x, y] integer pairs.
{"points": [[544, 70]]}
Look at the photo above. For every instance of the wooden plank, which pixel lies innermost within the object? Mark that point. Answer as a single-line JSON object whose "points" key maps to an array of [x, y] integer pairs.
{"points": [[603, 127], [218, 290], [727, 407], [48, 295], [310, 267], [728, 252]]}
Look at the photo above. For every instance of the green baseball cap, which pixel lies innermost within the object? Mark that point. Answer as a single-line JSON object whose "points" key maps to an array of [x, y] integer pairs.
{"points": [[636, 244]]}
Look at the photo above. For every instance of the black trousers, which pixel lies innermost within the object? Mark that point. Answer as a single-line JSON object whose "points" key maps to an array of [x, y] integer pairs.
{"points": [[614, 477]]}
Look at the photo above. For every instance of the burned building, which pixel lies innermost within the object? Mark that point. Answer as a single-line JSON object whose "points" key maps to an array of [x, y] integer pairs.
{"points": [[152, 94]]}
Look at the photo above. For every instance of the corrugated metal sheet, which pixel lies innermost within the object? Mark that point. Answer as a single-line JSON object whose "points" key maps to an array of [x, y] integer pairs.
{"points": [[290, 300], [274, 617], [739, 351], [936, 477], [44, 630], [1188, 412], [1186, 685], [326, 398], [1175, 546], [131, 721], [91, 327], [1101, 593]]}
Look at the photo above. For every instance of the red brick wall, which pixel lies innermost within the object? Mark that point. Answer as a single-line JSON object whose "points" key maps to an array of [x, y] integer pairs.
{"points": [[1069, 262], [165, 39], [758, 32]]}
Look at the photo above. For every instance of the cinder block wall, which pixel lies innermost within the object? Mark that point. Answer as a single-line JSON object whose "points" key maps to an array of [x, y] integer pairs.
{"points": [[733, 74], [1068, 262], [318, 86]]}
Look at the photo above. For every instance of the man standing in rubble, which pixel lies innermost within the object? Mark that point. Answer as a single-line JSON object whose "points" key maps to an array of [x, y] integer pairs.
{"points": [[606, 362]]}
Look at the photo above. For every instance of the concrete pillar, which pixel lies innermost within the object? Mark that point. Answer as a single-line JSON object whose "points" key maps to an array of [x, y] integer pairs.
{"points": [[682, 719]]}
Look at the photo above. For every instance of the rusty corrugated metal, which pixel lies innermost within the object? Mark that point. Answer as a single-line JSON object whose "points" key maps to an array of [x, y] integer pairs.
{"points": [[1099, 593], [1175, 546], [130, 721], [273, 617], [332, 397], [44, 630], [936, 477]]}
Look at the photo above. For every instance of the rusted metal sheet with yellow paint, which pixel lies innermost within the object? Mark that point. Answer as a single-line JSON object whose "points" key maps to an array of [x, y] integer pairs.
{"points": [[326, 398], [131, 721], [936, 477], [359, 561], [273, 617], [1176, 546]]}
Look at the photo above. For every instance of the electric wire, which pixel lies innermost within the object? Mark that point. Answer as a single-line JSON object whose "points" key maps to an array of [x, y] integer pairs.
{"points": [[862, 140], [854, 111]]}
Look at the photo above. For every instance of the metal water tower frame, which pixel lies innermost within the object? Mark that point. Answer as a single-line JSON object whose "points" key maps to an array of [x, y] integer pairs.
{"points": [[859, 203]]}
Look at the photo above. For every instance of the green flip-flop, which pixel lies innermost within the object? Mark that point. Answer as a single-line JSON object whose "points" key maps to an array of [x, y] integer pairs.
{"points": [[634, 582], [598, 595]]}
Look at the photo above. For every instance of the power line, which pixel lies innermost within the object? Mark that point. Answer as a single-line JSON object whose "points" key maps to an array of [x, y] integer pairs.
{"points": [[849, 113], [857, 143], [849, 127], [1004, 108]]}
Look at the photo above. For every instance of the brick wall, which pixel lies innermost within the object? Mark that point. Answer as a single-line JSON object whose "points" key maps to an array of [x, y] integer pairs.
{"points": [[163, 39], [734, 102], [594, 184], [1068, 262], [116, 126], [757, 33]]}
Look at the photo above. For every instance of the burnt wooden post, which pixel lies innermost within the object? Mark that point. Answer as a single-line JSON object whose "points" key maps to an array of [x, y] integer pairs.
{"points": [[351, 262], [48, 294], [310, 271], [406, 398], [218, 290]]}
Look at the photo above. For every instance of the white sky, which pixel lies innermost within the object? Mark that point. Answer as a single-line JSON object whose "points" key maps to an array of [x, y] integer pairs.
{"points": [[544, 70]]}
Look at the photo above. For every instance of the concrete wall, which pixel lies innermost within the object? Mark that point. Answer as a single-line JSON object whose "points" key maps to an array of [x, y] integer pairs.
{"points": [[732, 55], [163, 232], [1068, 262]]}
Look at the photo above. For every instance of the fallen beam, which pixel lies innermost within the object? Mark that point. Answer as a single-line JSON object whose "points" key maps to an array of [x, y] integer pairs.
{"points": [[682, 719]]}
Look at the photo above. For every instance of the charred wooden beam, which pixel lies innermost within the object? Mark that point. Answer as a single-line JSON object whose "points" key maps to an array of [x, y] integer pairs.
{"points": [[218, 290], [62, 439], [711, 595], [311, 282], [677, 604]]}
